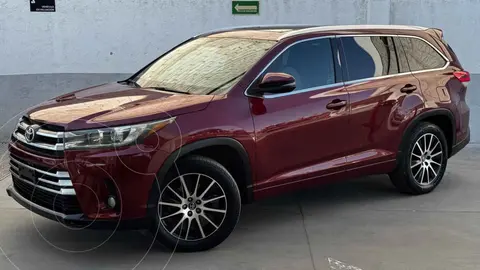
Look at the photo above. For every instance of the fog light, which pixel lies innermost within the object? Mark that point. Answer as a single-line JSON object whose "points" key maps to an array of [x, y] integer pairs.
{"points": [[111, 202]]}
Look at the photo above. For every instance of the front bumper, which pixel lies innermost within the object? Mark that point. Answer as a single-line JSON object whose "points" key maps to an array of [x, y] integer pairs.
{"points": [[77, 220], [127, 173]]}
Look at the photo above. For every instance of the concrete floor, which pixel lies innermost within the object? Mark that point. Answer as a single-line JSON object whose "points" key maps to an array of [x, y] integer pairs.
{"points": [[356, 224]]}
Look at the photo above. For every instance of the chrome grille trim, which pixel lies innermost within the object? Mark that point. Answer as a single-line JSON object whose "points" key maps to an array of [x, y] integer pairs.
{"points": [[54, 147], [60, 183], [58, 174], [13, 166], [36, 181], [50, 134], [63, 191], [22, 125], [44, 139], [42, 132]]}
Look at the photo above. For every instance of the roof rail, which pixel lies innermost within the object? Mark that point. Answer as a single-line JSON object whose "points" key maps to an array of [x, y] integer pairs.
{"points": [[254, 27], [348, 27]]}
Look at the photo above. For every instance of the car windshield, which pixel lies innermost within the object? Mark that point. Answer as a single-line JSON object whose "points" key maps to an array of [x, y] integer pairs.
{"points": [[207, 65]]}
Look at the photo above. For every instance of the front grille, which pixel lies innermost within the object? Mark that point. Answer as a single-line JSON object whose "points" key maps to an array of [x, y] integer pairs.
{"points": [[47, 140], [50, 188]]}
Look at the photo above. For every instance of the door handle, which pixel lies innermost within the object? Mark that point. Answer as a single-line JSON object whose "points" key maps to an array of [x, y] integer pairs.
{"points": [[408, 88], [336, 104]]}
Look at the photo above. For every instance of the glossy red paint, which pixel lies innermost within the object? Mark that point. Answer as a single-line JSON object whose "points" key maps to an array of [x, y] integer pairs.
{"points": [[291, 142], [34, 159], [276, 79], [115, 104], [379, 112], [282, 130]]}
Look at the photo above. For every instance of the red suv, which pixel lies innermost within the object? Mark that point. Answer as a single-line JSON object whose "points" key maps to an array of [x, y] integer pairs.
{"points": [[236, 115]]}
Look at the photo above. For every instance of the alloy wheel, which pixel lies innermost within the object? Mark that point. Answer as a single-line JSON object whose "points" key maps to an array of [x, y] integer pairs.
{"points": [[192, 207], [426, 159]]}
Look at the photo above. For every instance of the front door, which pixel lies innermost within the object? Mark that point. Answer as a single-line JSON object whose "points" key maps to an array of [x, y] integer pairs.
{"points": [[301, 135]]}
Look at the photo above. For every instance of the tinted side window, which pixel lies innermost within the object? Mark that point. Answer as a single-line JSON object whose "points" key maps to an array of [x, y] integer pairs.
{"points": [[421, 55], [369, 57], [309, 62], [401, 56]]}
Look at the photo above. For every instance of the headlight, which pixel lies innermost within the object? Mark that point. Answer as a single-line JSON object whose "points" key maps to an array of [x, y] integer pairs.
{"points": [[112, 137]]}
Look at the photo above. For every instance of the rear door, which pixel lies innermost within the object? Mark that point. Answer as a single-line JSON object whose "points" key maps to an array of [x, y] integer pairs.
{"points": [[383, 92], [437, 79]]}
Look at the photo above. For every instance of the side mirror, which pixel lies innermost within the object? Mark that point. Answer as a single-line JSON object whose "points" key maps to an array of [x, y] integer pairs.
{"points": [[274, 82]]}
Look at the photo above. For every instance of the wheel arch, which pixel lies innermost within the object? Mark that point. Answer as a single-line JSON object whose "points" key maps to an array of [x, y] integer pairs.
{"points": [[434, 116], [245, 184]]}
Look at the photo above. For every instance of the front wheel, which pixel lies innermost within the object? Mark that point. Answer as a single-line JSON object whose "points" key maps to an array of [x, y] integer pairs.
{"points": [[423, 161], [198, 205]]}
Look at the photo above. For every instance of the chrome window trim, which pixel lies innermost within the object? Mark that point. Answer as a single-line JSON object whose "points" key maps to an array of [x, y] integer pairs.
{"points": [[447, 64], [304, 90], [406, 36], [346, 82], [58, 174], [63, 191], [376, 78], [447, 61]]}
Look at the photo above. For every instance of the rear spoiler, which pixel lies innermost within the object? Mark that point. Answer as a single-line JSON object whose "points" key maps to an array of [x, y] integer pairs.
{"points": [[437, 35], [436, 32]]}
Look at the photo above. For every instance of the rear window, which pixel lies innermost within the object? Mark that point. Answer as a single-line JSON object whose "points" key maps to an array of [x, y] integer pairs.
{"points": [[369, 57], [421, 55], [451, 51]]}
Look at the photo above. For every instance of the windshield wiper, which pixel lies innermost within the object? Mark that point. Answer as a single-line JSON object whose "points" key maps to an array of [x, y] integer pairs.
{"points": [[168, 90], [131, 82], [223, 84]]}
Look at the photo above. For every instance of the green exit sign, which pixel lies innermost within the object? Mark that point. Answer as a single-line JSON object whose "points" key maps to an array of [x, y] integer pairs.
{"points": [[246, 7]]}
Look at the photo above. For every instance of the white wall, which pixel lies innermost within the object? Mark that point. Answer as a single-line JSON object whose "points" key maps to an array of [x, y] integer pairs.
{"points": [[116, 36]]}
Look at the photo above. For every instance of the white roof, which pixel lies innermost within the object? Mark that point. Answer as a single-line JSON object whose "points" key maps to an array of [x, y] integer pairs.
{"points": [[350, 27]]}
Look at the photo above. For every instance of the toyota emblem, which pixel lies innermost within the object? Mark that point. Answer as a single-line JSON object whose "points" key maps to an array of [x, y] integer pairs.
{"points": [[29, 134]]}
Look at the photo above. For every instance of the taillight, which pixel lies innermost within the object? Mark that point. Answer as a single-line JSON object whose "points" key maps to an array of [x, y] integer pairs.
{"points": [[462, 76]]}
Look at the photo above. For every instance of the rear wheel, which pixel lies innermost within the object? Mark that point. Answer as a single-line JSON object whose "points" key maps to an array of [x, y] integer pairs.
{"points": [[423, 161], [198, 206]]}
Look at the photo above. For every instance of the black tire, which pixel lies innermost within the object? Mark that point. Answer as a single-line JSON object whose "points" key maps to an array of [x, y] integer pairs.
{"points": [[209, 169], [404, 177]]}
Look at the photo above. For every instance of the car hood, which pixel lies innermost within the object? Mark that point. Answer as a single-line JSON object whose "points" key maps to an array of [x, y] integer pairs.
{"points": [[114, 104]]}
